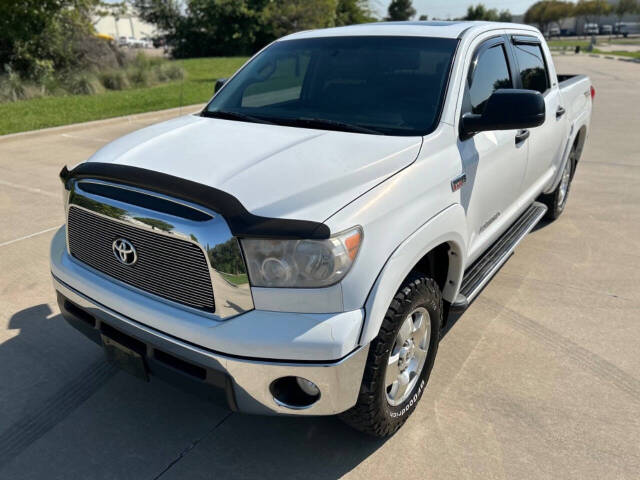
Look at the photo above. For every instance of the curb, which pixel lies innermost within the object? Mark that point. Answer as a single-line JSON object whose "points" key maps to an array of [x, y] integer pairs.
{"points": [[104, 121]]}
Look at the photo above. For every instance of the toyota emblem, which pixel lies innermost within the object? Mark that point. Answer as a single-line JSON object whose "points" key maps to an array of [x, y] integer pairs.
{"points": [[124, 251]]}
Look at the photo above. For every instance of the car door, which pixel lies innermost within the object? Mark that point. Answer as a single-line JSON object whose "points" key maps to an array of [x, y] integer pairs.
{"points": [[493, 162], [546, 142]]}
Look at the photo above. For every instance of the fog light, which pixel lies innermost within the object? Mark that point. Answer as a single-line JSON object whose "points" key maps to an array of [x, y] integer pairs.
{"points": [[308, 387], [296, 393]]}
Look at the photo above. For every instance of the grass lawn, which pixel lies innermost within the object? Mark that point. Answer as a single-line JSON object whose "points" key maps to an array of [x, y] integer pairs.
{"points": [[620, 53], [54, 111], [568, 43], [625, 41]]}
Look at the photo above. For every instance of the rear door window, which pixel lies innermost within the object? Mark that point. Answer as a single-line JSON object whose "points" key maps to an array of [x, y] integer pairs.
{"points": [[533, 71]]}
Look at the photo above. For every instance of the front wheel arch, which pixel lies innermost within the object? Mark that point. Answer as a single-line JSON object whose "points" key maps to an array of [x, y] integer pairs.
{"points": [[407, 259]]}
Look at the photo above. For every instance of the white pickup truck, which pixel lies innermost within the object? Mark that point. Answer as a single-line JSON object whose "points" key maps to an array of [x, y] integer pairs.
{"points": [[297, 246]]}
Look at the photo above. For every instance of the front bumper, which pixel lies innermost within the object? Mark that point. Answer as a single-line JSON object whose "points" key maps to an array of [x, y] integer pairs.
{"points": [[243, 383]]}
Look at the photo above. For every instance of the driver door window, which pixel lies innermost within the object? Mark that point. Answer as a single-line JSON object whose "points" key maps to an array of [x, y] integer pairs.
{"points": [[490, 74]]}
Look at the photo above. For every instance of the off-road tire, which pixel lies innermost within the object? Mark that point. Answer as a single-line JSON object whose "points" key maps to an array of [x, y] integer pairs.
{"points": [[552, 200], [372, 413]]}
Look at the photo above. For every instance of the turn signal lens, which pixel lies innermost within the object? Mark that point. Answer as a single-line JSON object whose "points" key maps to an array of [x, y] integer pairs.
{"points": [[353, 244]]}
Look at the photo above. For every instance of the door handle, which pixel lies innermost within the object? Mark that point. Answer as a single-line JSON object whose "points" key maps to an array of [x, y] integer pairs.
{"points": [[521, 136], [560, 112]]}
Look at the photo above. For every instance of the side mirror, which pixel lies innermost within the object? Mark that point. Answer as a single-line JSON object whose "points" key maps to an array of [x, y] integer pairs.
{"points": [[506, 109], [219, 83]]}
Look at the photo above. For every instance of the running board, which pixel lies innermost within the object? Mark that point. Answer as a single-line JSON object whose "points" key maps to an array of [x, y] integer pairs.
{"points": [[483, 269]]}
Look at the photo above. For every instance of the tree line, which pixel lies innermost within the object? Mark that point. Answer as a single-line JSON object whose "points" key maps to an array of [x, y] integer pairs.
{"points": [[41, 37], [545, 13], [195, 28]]}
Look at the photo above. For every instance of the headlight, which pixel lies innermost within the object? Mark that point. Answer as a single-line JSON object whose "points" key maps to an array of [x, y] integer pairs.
{"points": [[301, 263]]}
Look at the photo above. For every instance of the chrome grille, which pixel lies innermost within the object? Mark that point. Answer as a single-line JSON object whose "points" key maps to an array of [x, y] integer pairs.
{"points": [[168, 267]]}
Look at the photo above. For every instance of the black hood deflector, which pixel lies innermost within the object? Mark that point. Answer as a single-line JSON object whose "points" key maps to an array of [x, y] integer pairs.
{"points": [[241, 222]]}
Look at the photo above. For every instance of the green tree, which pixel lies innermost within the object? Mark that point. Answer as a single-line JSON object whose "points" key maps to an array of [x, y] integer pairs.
{"points": [[287, 16], [591, 10], [625, 7], [205, 27], [480, 12], [562, 11], [165, 14], [400, 10], [240, 27], [546, 12], [350, 12], [505, 16], [38, 37]]}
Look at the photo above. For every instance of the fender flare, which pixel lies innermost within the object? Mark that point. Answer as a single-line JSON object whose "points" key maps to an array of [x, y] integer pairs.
{"points": [[579, 126], [448, 226]]}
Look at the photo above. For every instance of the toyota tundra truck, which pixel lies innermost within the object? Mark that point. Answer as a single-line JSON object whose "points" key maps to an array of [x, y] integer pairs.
{"points": [[297, 246]]}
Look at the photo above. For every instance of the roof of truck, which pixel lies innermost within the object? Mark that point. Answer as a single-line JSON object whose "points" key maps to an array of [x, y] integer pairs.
{"points": [[452, 29]]}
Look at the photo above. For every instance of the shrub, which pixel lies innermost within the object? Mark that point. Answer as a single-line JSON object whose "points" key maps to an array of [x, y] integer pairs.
{"points": [[83, 84], [140, 76], [10, 89], [14, 88], [114, 80], [137, 71], [169, 71]]}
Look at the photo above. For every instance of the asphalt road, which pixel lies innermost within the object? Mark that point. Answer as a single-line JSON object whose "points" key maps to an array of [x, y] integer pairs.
{"points": [[540, 378]]}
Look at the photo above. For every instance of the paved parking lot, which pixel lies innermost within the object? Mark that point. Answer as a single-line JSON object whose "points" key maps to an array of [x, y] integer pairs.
{"points": [[540, 378]]}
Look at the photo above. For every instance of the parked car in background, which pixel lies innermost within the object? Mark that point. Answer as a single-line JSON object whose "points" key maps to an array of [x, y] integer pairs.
{"points": [[146, 42], [606, 29], [553, 32], [296, 247], [133, 42], [621, 28], [591, 29]]}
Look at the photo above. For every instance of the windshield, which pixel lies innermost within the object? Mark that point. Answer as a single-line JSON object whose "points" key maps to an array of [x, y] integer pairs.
{"points": [[382, 85]]}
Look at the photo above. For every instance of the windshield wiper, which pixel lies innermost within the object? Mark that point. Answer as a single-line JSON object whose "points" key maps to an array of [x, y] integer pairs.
{"points": [[226, 115], [334, 125]]}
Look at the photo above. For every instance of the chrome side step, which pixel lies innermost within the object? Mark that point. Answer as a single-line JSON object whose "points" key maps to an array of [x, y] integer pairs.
{"points": [[483, 269]]}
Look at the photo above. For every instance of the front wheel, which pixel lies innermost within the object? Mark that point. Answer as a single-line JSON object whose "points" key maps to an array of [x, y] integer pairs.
{"points": [[400, 359]]}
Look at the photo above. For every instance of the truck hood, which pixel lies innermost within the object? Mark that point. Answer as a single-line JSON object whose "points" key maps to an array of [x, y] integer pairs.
{"points": [[274, 171]]}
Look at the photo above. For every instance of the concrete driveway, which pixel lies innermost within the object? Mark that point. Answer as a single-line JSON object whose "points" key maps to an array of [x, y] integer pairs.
{"points": [[540, 378]]}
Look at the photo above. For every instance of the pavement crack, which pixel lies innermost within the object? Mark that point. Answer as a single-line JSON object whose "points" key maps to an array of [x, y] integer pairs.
{"points": [[191, 446]]}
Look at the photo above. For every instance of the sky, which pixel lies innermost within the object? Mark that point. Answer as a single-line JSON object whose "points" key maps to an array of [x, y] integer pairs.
{"points": [[454, 8]]}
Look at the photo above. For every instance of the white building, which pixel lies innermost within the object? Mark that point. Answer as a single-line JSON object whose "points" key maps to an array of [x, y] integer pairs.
{"points": [[127, 25]]}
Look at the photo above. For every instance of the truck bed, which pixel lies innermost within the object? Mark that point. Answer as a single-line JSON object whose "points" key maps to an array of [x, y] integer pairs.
{"points": [[567, 79]]}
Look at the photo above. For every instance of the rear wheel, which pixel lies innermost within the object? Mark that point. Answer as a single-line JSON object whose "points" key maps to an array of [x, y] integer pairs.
{"points": [[400, 359], [557, 200]]}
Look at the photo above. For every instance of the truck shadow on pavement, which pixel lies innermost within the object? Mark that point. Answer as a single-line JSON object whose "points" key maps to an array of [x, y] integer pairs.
{"points": [[80, 417]]}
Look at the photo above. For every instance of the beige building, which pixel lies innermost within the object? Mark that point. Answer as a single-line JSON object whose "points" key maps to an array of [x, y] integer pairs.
{"points": [[127, 25]]}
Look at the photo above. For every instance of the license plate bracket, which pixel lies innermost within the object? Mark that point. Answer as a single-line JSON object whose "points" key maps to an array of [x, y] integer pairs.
{"points": [[125, 358]]}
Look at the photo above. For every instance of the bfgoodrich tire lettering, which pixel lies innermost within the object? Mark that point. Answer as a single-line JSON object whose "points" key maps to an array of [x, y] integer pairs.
{"points": [[373, 414]]}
